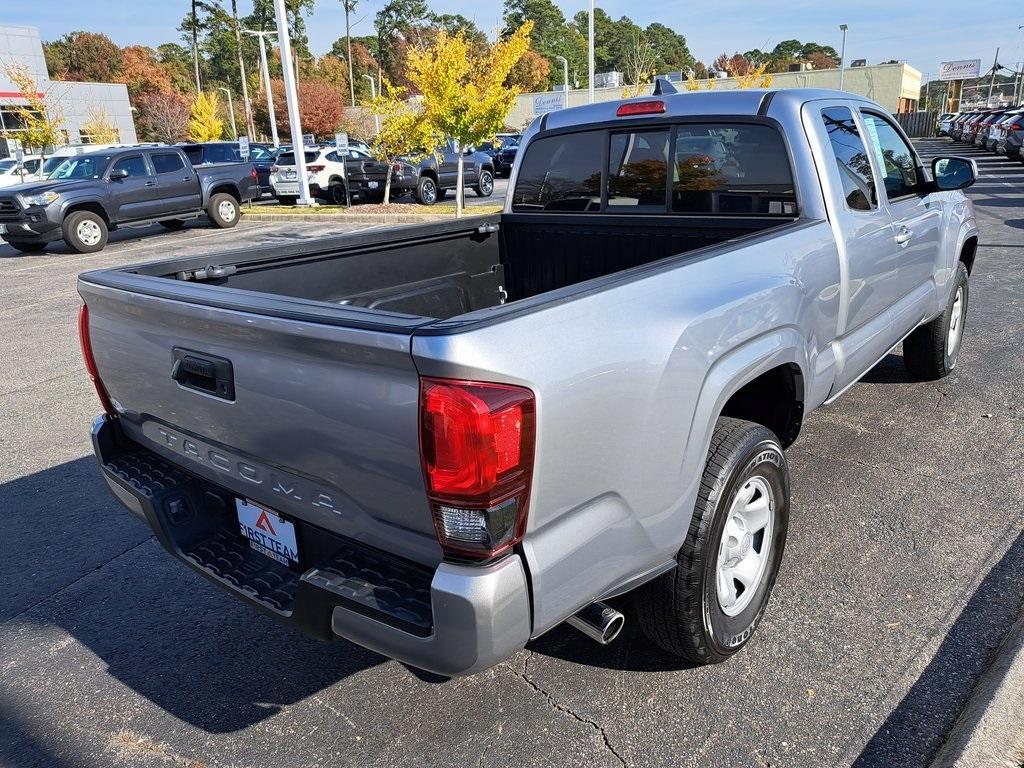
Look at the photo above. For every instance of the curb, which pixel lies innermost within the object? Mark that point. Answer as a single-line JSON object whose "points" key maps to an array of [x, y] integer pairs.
{"points": [[990, 731]]}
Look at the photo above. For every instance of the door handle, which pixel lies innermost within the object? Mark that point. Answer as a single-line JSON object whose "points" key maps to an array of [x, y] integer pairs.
{"points": [[150, 183], [186, 178], [903, 236]]}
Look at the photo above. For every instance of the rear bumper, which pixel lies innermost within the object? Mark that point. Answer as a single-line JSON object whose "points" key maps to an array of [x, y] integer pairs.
{"points": [[454, 620]]}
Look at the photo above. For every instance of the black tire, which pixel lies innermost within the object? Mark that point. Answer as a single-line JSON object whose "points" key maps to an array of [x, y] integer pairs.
{"points": [[223, 210], [930, 352], [85, 232], [681, 611], [287, 200], [172, 223], [427, 192], [26, 246], [336, 194], [485, 184]]}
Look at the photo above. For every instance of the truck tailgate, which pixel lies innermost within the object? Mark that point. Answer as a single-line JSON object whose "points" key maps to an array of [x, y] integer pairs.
{"points": [[319, 421]]}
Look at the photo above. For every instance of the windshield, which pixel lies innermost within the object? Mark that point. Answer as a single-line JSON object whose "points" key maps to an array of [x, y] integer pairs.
{"points": [[80, 167], [7, 165]]}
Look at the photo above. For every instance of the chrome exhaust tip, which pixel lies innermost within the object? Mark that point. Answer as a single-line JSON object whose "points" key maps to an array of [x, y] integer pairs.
{"points": [[598, 621]]}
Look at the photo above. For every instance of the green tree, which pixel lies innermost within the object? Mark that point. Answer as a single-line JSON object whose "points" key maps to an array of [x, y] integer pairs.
{"points": [[398, 24], [551, 36], [670, 49], [83, 56]]}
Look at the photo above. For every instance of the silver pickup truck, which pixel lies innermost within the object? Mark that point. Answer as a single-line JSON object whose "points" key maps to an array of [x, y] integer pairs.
{"points": [[443, 440]]}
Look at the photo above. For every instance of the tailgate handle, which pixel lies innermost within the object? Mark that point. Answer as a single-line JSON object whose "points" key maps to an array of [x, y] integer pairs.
{"points": [[204, 373]]}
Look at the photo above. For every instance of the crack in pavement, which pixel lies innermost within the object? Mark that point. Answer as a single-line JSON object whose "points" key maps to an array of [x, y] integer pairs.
{"points": [[525, 677]]}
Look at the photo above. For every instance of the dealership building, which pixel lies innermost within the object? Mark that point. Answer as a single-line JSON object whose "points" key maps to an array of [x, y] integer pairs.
{"points": [[76, 102], [896, 87]]}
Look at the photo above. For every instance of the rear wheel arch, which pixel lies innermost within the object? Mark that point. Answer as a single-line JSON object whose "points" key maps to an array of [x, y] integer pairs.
{"points": [[227, 189], [968, 251]]}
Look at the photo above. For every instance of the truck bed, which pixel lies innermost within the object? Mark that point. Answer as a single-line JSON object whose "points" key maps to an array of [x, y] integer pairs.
{"points": [[441, 271]]}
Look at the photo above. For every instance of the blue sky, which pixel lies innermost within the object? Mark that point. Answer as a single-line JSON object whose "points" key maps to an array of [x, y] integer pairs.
{"points": [[920, 32]]}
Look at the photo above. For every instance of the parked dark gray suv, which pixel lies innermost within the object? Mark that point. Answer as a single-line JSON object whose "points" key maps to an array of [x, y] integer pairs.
{"points": [[438, 172]]}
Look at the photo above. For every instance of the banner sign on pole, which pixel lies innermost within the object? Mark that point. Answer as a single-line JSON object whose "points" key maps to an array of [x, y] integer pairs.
{"points": [[966, 69], [548, 102]]}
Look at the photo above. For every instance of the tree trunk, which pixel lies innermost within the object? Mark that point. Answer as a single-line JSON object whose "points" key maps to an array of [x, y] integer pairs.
{"points": [[250, 126], [348, 40], [387, 185], [459, 185], [195, 45]]}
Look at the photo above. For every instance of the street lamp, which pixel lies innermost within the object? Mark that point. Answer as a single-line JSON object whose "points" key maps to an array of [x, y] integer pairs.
{"points": [[291, 96], [262, 35], [231, 111], [842, 56], [565, 77], [373, 95], [590, 54]]}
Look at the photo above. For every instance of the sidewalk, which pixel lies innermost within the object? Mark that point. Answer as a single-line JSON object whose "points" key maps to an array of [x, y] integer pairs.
{"points": [[990, 731]]}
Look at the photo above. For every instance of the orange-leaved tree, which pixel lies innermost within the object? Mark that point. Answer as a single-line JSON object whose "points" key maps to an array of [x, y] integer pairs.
{"points": [[466, 95]]}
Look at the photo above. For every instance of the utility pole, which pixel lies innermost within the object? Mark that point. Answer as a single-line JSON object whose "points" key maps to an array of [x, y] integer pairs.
{"points": [[842, 56], [231, 111], [349, 6], [262, 35], [373, 95], [250, 126], [992, 77], [565, 77], [291, 96], [195, 46], [590, 55]]}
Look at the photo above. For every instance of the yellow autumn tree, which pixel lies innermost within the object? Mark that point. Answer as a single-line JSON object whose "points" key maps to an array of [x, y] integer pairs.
{"points": [[404, 130], [40, 116], [466, 95], [756, 78], [99, 127], [205, 123]]}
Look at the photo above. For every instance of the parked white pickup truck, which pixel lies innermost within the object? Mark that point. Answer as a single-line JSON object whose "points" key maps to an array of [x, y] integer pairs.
{"points": [[441, 441]]}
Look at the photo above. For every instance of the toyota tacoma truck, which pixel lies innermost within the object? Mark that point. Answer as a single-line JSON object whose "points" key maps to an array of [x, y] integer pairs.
{"points": [[441, 441], [92, 193]]}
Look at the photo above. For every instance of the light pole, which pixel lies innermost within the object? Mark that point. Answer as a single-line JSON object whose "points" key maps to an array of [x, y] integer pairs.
{"points": [[565, 77], [373, 95], [590, 55], [291, 96], [266, 79], [842, 56], [231, 111]]}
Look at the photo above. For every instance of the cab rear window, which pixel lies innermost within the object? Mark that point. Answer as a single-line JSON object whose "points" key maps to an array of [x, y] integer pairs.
{"points": [[737, 169]]}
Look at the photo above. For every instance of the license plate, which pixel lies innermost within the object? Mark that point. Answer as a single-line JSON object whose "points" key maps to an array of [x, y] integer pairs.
{"points": [[267, 532], [287, 189], [372, 184], [291, 175]]}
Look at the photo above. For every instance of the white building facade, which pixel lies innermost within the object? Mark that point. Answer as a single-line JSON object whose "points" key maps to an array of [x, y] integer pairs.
{"points": [[76, 102]]}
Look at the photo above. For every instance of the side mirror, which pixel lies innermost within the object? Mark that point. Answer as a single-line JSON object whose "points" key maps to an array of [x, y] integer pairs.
{"points": [[117, 174], [952, 173]]}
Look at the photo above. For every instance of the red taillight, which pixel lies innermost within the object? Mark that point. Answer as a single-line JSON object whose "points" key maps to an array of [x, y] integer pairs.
{"points": [[253, 175], [477, 443], [90, 361], [640, 108], [315, 168]]}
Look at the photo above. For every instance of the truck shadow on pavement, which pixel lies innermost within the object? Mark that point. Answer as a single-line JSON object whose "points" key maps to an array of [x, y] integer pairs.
{"points": [[917, 728], [160, 629]]}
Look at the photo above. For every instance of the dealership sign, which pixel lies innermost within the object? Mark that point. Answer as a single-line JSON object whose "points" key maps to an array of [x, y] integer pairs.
{"points": [[548, 102], [960, 70]]}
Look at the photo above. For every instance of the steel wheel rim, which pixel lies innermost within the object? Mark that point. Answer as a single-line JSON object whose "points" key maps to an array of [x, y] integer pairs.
{"points": [[226, 210], [88, 232], [745, 547], [956, 323]]}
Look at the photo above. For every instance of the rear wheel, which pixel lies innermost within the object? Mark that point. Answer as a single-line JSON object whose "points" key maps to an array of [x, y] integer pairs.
{"points": [[223, 210], [336, 194], [172, 223], [931, 351], [708, 607], [85, 232], [426, 191], [26, 246], [286, 199]]}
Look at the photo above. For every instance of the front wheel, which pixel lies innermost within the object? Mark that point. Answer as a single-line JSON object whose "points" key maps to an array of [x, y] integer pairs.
{"points": [[931, 351], [223, 210], [708, 607], [484, 185], [85, 232]]}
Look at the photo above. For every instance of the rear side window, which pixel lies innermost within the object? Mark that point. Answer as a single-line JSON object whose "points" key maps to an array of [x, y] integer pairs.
{"points": [[851, 158], [738, 169], [167, 162], [222, 153], [194, 154], [561, 173]]}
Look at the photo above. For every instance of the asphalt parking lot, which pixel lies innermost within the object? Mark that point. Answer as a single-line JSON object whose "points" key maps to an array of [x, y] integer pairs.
{"points": [[904, 568]]}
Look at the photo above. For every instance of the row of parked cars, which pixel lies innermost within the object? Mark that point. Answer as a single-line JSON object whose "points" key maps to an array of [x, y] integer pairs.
{"points": [[998, 130]]}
